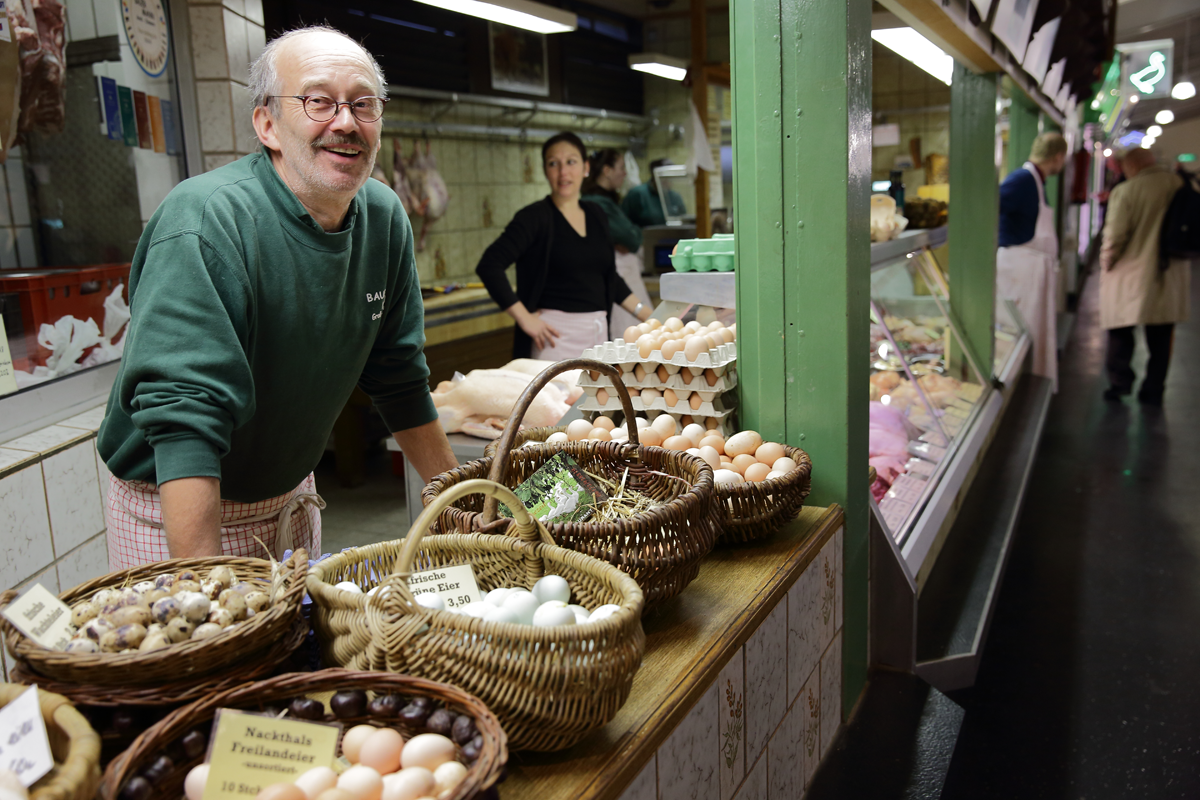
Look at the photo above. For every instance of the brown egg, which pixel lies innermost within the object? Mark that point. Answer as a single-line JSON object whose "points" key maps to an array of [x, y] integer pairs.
{"points": [[653, 323], [742, 463], [600, 435], [381, 751], [673, 324], [645, 345], [662, 373], [757, 472], [711, 343], [686, 376], [686, 420], [725, 459], [604, 422], [281, 791], [677, 443], [711, 423], [639, 373], [693, 347], [714, 441], [665, 425], [769, 452], [711, 456], [744, 442], [694, 401], [602, 396], [670, 348], [670, 398], [693, 326], [631, 334], [336, 794], [650, 437], [579, 429], [711, 377]]}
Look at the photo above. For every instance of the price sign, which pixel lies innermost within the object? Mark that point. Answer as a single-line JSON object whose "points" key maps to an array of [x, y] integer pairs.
{"points": [[250, 752], [41, 616], [24, 746], [8, 381], [455, 585]]}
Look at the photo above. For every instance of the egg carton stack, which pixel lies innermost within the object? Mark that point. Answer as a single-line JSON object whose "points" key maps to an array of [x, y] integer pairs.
{"points": [[683, 378]]}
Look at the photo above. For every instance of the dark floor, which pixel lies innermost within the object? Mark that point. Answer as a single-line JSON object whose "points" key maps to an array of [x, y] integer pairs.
{"points": [[1090, 682]]}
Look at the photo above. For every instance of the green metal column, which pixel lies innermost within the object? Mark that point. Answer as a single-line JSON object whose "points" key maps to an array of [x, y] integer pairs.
{"points": [[802, 170], [1022, 127], [974, 209]]}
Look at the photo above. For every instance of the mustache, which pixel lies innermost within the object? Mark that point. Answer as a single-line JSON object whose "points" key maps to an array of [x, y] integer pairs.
{"points": [[335, 141]]}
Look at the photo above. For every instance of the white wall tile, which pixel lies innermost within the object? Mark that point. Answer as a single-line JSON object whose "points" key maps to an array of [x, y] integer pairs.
{"points": [[840, 552], [211, 162], [104, 477], [256, 39], [831, 692], [236, 48], [731, 724], [47, 577], [88, 420], [88, 561], [686, 764], [14, 172], [216, 120], [8, 249], [755, 785], [11, 459], [243, 119], [785, 764], [72, 489], [766, 680], [645, 785], [26, 526], [81, 19], [805, 631], [238, 6], [209, 59], [808, 711], [108, 17], [155, 179], [254, 11], [48, 438]]}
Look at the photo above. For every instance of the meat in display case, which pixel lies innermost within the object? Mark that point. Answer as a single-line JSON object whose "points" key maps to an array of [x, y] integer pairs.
{"points": [[926, 389]]}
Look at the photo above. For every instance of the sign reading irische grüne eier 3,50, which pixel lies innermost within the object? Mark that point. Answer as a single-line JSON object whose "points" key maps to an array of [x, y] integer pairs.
{"points": [[1147, 67], [149, 38]]}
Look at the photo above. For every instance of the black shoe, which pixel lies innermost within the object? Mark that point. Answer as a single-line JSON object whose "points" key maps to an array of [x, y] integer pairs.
{"points": [[1113, 394], [1150, 398]]}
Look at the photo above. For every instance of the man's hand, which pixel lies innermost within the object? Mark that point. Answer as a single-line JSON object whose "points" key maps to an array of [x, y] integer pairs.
{"points": [[427, 449], [191, 509]]}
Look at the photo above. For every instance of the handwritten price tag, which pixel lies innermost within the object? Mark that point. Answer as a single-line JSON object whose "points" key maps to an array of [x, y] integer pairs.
{"points": [[455, 585], [41, 616], [24, 746]]}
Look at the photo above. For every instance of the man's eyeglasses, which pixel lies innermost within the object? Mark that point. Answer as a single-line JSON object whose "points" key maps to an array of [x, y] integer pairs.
{"points": [[322, 109]]}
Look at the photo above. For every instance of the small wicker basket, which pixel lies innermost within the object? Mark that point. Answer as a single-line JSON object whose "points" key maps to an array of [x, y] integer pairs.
{"points": [[745, 512], [73, 743], [191, 659], [549, 686], [661, 548], [158, 739]]}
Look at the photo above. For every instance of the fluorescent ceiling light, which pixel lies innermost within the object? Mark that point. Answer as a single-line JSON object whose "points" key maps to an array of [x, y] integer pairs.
{"points": [[917, 49], [1147, 142], [1107, 152], [673, 69], [1154, 131], [1184, 90], [526, 14], [1165, 117]]}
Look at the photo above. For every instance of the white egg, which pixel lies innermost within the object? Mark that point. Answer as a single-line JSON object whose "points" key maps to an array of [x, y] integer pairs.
{"points": [[431, 600], [193, 784], [499, 614], [694, 432], [641, 422], [776, 473], [496, 596], [581, 613], [553, 613], [552, 587], [784, 464], [348, 586], [665, 425], [315, 781], [476, 608], [362, 782], [448, 776], [711, 456], [603, 611], [727, 476], [523, 604], [409, 784], [428, 750], [555, 438]]}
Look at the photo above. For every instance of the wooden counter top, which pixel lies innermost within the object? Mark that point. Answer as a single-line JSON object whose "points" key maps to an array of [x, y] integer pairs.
{"points": [[688, 640]]}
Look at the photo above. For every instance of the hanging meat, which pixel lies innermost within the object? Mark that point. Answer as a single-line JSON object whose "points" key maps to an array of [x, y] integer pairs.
{"points": [[38, 26], [420, 187]]}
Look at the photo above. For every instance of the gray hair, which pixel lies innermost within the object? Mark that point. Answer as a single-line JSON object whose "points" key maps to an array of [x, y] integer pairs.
{"points": [[264, 78]]}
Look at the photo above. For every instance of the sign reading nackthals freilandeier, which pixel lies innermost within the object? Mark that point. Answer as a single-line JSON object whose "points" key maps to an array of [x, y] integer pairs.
{"points": [[249, 752], [8, 381], [1147, 67]]}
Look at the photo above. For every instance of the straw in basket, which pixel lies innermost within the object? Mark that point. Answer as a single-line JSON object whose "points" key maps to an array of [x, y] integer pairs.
{"points": [[73, 743], [549, 686], [164, 737], [660, 547]]}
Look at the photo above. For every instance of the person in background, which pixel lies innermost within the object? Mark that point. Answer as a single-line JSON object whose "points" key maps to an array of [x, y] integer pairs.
{"points": [[566, 271], [643, 205], [605, 177], [1027, 261], [262, 292], [1134, 290]]}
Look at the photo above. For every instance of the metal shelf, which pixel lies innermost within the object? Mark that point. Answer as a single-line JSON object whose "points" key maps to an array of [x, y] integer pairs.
{"points": [[904, 245], [717, 289]]}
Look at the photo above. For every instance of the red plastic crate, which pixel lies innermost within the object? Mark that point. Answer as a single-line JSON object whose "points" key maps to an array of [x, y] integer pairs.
{"points": [[49, 294]]}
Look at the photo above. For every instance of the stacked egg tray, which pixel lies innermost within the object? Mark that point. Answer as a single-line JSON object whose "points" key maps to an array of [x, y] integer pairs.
{"points": [[688, 380]]}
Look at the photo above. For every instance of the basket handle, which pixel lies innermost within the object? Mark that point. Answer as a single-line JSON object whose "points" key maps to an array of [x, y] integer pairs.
{"points": [[504, 445]]}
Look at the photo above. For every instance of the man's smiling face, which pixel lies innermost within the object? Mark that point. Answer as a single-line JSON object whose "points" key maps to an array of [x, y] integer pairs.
{"points": [[321, 161]]}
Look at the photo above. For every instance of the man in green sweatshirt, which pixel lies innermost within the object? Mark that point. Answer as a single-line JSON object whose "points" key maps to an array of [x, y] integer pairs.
{"points": [[262, 293]]}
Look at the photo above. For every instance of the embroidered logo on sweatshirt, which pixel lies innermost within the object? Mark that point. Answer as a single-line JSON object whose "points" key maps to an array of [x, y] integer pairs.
{"points": [[377, 297]]}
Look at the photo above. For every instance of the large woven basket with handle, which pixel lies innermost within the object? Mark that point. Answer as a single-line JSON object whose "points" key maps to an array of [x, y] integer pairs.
{"points": [[191, 659], [73, 743], [661, 547], [272, 694], [549, 686], [745, 512]]}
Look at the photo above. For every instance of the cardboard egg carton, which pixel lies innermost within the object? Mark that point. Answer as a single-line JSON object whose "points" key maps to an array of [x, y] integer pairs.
{"points": [[625, 354], [724, 421], [695, 381], [714, 405]]}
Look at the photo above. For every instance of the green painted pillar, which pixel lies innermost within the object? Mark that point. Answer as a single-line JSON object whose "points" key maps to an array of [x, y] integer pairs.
{"points": [[974, 209], [802, 171], [1054, 182], [1023, 117]]}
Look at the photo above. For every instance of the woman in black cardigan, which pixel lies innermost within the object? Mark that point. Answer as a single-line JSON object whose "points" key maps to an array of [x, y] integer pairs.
{"points": [[566, 271]]}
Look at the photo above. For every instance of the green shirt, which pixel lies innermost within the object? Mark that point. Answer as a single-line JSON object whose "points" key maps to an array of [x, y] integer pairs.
{"points": [[620, 228], [250, 328], [644, 207]]}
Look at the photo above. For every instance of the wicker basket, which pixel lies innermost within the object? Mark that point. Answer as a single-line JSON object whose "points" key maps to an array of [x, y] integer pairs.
{"points": [[661, 548], [745, 512], [549, 686], [73, 743], [160, 739], [191, 659]]}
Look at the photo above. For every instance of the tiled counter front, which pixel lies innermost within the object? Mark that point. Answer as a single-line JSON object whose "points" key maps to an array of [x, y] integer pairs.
{"points": [[52, 487], [761, 729]]}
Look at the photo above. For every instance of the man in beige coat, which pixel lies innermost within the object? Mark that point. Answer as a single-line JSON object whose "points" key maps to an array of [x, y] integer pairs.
{"points": [[1133, 289]]}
